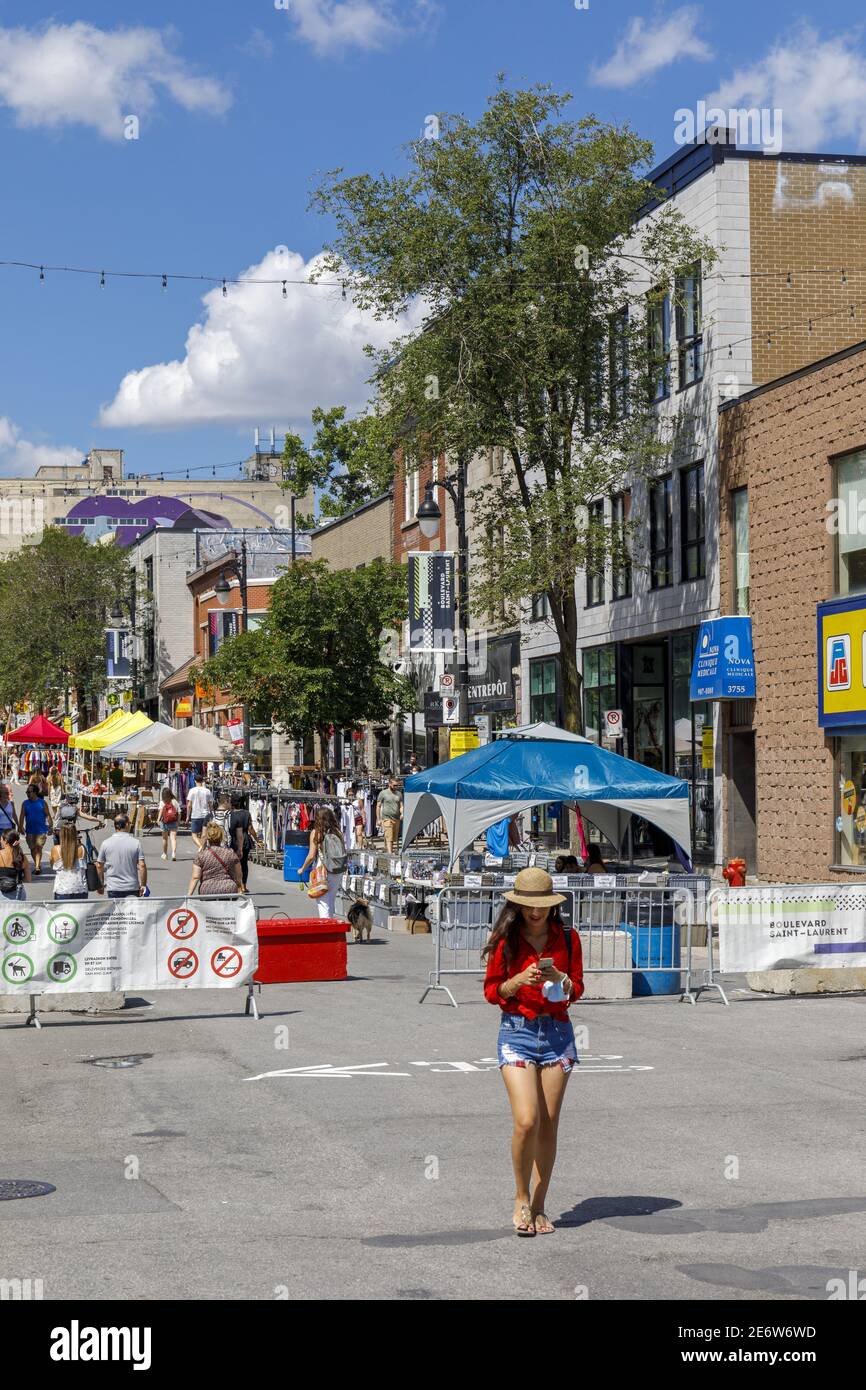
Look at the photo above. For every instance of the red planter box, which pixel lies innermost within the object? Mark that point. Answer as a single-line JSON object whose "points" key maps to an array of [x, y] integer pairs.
{"points": [[301, 948]]}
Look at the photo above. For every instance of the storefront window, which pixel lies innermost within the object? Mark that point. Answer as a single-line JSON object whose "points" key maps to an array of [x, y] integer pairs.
{"points": [[740, 524], [690, 720], [648, 698], [850, 536], [542, 691], [599, 689], [851, 808]]}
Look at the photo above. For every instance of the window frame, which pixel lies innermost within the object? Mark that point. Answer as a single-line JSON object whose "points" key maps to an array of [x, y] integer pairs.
{"points": [[666, 552], [618, 364], [620, 502], [690, 346], [595, 566], [688, 542], [735, 493], [659, 358]]}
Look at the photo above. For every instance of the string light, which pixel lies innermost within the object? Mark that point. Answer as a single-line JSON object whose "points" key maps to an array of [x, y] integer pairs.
{"points": [[790, 279], [285, 294], [225, 291], [165, 282], [102, 280], [41, 273]]}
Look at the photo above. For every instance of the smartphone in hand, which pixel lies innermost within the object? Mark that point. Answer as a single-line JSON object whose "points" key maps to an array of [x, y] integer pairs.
{"points": [[545, 965]]}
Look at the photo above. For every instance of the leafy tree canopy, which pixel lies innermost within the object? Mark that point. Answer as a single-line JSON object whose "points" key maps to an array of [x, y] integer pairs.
{"points": [[316, 658]]}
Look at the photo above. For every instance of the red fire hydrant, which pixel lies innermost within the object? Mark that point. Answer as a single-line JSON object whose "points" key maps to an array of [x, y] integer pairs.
{"points": [[734, 873]]}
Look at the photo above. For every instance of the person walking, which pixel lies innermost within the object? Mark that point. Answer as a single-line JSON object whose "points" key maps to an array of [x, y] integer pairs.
{"points": [[35, 823], [15, 768], [8, 814], [14, 868], [55, 791], [69, 861], [167, 819], [216, 868], [120, 863], [359, 813], [389, 809], [328, 848], [241, 834], [534, 972], [199, 810]]}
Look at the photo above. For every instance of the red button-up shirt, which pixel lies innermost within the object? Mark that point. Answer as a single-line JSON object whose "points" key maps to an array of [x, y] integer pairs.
{"points": [[529, 999]]}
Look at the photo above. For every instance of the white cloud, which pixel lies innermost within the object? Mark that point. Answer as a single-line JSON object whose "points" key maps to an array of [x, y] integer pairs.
{"points": [[76, 74], [647, 47], [259, 357], [20, 458], [818, 84], [332, 26]]}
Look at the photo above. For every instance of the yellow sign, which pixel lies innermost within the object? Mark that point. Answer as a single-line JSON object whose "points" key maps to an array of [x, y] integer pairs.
{"points": [[849, 798], [707, 746], [842, 662], [860, 819], [183, 709], [67, 725], [463, 741]]}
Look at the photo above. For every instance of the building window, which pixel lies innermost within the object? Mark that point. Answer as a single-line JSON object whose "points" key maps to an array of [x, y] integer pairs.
{"points": [[540, 608], [410, 494], [692, 522], [850, 535], [593, 399], [221, 627], [595, 555], [690, 340], [620, 514], [618, 363], [148, 575], [599, 689], [740, 529], [661, 530], [659, 345], [543, 703]]}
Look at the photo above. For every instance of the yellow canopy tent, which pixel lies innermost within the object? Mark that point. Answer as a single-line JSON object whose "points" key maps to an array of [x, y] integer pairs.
{"points": [[108, 723], [112, 730]]}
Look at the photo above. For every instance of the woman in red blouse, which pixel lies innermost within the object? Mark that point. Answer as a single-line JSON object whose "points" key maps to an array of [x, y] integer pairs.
{"points": [[534, 972]]}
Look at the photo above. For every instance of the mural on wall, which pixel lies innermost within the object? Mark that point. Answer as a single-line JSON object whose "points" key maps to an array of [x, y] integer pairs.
{"points": [[94, 517]]}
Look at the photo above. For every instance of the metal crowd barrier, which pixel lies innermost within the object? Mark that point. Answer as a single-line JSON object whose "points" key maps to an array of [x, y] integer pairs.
{"points": [[658, 919]]}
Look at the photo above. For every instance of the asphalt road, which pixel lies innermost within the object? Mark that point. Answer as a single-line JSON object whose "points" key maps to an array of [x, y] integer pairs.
{"points": [[705, 1152]]}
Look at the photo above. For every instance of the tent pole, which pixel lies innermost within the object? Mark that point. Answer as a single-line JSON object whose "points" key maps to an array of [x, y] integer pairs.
{"points": [[630, 844]]}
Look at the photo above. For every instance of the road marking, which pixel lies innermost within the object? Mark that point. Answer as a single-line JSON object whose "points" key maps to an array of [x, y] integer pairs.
{"points": [[590, 1062]]}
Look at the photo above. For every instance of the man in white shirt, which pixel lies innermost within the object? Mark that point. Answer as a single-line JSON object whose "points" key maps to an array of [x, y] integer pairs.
{"points": [[199, 810]]}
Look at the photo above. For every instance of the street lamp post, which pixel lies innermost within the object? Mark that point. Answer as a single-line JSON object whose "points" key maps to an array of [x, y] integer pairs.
{"points": [[222, 589], [429, 518]]}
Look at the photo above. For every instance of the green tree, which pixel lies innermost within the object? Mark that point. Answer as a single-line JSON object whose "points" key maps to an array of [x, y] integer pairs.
{"points": [[349, 461], [316, 658], [521, 234], [54, 598]]}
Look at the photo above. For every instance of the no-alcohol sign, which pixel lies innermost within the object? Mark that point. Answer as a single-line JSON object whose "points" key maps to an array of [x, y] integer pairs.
{"points": [[226, 962], [182, 923], [183, 963]]}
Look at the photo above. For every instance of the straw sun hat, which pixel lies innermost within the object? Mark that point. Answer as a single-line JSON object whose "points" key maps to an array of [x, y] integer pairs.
{"points": [[534, 888]]}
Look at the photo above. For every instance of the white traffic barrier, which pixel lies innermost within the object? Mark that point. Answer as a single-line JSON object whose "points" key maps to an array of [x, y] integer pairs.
{"points": [[789, 926]]}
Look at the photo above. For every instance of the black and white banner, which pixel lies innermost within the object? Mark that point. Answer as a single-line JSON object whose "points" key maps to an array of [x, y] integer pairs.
{"points": [[432, 602]]}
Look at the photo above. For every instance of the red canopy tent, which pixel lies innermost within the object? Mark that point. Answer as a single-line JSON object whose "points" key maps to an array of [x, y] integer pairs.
{"points": [[39, 730]]}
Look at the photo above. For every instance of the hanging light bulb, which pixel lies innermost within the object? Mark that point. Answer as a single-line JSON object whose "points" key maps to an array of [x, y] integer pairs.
{"points": [[844, 276], [789, 280], [810, 325], [102, 279], [769, 340], [41, 273], [165, 282], [730, 350], [225, 291], [851, 311], [285, 294], [344, 289]]}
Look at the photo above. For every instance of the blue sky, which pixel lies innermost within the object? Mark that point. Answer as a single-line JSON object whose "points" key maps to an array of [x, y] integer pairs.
{"points": [[240, 105]]}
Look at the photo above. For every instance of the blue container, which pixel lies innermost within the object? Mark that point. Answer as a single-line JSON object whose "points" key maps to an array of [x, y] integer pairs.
{"points": [[657, 945], [293, 858]]}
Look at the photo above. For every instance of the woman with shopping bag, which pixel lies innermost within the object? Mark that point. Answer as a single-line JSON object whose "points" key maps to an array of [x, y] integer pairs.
{"points": [[327, 854]]}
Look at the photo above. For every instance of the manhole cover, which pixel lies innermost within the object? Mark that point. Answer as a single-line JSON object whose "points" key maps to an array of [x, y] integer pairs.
{"points": [[115, 1063], [13, 1188]]}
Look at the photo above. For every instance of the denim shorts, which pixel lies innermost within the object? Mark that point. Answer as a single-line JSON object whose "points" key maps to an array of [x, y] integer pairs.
{"points": [[538, 1042]]}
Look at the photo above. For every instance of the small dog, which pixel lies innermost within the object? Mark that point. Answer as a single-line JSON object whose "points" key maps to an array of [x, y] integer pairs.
{"points": [[360, 919]]}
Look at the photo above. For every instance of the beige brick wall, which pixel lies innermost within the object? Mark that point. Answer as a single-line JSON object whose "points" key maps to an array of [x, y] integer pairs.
{"points": [[809, 219], [358, 539], [781, 445]]}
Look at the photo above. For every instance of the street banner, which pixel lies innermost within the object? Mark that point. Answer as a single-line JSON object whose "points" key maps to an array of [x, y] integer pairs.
{"points": [[118, 654], [432, 603], [126, 943], [235, 730], [787, 927], [724, 664]]}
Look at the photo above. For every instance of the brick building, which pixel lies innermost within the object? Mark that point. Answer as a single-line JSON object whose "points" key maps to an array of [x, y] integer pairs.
{"points": [[792, 536]]}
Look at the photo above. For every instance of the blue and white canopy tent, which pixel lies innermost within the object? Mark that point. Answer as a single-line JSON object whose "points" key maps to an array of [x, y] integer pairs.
{"points": [[532, 766]]}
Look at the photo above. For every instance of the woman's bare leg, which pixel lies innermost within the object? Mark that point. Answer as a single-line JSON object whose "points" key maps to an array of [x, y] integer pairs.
{"points": [[522, 1087], [551, 1084]]}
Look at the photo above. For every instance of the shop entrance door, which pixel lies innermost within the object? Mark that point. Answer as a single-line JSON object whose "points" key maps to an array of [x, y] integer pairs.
{"points": [[649, 706], [742, 812]]}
